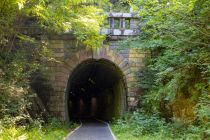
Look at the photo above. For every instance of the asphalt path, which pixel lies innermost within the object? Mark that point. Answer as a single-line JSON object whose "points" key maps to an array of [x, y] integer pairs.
{"points": [[92, 129]]}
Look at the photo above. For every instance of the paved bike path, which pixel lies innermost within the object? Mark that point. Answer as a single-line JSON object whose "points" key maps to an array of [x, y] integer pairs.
{"points": [[92, 130]]}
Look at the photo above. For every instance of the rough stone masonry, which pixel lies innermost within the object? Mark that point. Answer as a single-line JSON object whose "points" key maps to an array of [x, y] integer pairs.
{"points": [[69, 54]]}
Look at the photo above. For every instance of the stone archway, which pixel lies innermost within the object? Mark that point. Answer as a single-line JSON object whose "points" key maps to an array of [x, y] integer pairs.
{"points": [[96, 88], [61, 71], [69, 53]]}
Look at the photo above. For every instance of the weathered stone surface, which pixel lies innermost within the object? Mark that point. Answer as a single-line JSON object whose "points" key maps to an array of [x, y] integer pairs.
{"points": [[124, 15], [70, 54], [119, 32]]}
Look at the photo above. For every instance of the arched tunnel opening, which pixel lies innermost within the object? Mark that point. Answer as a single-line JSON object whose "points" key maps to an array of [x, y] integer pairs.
{"points": [[96, 89]]}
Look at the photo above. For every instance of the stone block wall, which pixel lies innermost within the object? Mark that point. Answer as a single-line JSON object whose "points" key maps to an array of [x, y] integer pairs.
{"points": [[133, 62], [68, 55]]}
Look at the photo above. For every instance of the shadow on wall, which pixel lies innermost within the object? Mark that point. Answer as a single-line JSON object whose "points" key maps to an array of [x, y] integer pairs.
{"points": [[41, 86]]}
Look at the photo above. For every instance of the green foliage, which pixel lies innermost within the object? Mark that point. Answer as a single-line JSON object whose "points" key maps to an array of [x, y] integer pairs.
{"points": [[16, 68], [80, 16], [139, 126], [141, 123], [54, 130], [120, 6], [177, 34], [202, 109], [21, 55]]}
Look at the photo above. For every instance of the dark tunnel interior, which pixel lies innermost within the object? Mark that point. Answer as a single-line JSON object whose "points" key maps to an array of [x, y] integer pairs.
{"points": [[96, 89]]}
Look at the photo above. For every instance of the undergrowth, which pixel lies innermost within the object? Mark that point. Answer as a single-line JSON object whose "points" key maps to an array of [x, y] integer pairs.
{"points": [[53, 130], [140, 126]]}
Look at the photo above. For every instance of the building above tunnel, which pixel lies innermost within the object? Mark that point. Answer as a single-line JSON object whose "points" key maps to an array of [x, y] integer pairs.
{"points": [[121, 24]]}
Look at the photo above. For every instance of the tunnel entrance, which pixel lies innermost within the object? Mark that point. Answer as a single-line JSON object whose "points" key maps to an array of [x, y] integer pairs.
{"points": [[96, 88]]}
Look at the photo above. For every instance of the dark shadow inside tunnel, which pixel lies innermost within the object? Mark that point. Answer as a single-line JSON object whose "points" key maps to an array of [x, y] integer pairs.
{"points": [[96, 88]]}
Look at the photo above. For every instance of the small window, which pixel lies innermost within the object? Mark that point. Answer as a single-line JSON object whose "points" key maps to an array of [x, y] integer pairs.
{"points": [[116, 23], [127, 23]]}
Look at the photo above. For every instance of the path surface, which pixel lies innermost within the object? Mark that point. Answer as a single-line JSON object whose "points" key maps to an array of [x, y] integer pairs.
{"points": [[92, 130]]}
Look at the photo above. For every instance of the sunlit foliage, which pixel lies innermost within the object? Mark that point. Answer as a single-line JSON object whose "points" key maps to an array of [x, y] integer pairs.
{"points": [[21, 54], [177, 34]]}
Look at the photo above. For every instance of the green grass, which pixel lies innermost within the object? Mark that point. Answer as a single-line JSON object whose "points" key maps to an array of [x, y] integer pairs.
{"points": [[138, 126], [54, 130], [127, 134]]}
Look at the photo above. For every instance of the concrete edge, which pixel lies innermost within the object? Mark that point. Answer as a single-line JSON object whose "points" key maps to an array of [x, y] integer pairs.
{"points": [[73, 131], [108, 127]]}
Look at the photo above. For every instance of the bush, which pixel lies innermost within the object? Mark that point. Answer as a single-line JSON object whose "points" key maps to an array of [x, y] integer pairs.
{"points": [[139, 125], [53, 130]]}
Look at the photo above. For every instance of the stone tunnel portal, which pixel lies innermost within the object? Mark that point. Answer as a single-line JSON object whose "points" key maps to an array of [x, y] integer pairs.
{"points": [[96, 88]]}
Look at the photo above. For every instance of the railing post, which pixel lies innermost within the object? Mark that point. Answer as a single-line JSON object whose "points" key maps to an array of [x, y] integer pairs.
{"points": [[122, 23], [111, 22]]}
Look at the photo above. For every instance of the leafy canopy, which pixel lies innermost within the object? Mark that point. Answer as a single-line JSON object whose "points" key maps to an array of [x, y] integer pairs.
{"points": [[21, 55], [177, 32], [80, 16]]}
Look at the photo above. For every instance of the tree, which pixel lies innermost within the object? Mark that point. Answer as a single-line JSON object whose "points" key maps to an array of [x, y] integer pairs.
{"points": [[20, 54], [177, 34]]}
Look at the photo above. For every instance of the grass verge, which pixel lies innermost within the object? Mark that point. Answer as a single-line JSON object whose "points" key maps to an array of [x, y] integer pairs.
{"points": [[139, 126], [54, 130]]}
